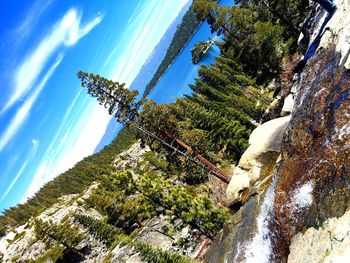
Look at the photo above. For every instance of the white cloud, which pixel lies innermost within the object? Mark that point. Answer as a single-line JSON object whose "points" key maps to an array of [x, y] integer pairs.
{"points": [[33, 151], [87, 134], [31, 19], [84, 136], [23, 113], [148, 28], [65, 33]]}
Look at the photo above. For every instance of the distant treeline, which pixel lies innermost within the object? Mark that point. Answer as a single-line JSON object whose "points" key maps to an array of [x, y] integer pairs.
{"points": [[184, 32], [73, 181]]}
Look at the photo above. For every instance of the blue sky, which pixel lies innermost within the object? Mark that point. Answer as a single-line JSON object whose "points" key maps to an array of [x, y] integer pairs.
{"points": [[47, 122]]}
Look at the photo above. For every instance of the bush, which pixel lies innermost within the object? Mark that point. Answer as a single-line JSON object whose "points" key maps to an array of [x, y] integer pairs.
{"points": [[150, 254], [102, 230]]}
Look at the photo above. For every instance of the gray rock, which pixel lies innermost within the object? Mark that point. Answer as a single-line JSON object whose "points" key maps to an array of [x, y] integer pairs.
{"points": [[130, 157], [330, 243], [310, 247], [258, 161], [288, 105]]}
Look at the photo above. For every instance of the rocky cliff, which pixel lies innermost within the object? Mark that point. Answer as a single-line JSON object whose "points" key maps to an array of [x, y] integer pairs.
{"points": [[302, 215], [22, 244]]}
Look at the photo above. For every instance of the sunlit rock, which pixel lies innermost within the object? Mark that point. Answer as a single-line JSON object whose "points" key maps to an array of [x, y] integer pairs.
{"points": [[329, 243], [288, 105], [258, 161]]}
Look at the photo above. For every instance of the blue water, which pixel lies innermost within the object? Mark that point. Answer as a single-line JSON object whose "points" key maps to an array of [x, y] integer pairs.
{"points": [[150, 67], [182, 72], [175, 82]]}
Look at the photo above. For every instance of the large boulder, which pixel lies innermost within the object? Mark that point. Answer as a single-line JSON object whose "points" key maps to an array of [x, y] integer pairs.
{"points": [[288, 105], [330, 243], [258, 161]]}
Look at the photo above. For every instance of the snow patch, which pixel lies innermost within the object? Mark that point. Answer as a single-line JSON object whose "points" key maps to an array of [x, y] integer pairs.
{"points": [[302, 197]]}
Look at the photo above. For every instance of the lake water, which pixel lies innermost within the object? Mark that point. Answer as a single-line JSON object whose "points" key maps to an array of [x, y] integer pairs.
{"points": [[174, 83]]}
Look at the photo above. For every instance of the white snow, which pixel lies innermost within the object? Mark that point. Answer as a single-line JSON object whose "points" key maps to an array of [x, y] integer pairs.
{"points": [[302, 197]]}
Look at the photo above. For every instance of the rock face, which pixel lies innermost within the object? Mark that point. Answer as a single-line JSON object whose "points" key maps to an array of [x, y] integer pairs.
{"points": [[306, 222], [288, 105], [330, 243], [258, 161], [131, 157], [313, 179], [155, 234], [21, 243]]}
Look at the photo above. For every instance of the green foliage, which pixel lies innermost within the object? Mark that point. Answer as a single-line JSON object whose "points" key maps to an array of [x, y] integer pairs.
{"points": [[15, 258], [73, 181], [117, 199], [287, 13], [156, 160], [102, 230], [61, 240], [18, 236], [120, 102], [236, 21], [128, 202], [183, 34], [199, 50], [259, 33], [65, 234], [2, 233], [53, 254], [194, 209], [156, 255]]}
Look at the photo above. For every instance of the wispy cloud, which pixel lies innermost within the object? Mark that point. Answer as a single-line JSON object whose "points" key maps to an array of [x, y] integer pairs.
{"points": [[30, 20], [148, 24], [65, 151], [65, 33], [23, 113], [85, 132], [35, 146]]}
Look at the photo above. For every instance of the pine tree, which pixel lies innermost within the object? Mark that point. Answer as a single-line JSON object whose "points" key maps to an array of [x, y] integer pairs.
{"points": [[66, 234], [156, 121], [100, 229], [156, 255], [119, 101]]}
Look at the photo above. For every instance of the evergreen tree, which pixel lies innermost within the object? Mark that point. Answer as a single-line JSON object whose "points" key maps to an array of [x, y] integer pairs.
{"points": [[100, 229], [120, 102], [150, 254], [65, 234]]}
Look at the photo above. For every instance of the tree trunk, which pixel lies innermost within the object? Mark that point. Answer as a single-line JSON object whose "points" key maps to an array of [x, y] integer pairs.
{"points": [[210, 166]]}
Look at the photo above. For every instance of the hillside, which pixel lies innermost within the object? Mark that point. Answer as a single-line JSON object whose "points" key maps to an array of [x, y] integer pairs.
{"points": [[271, 120], [184, 32], [96, 238], [149, 68]]}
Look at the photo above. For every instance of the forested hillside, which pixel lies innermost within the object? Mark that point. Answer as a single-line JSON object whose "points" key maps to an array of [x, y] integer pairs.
{"points": [[75, 180], [184, 32]]}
